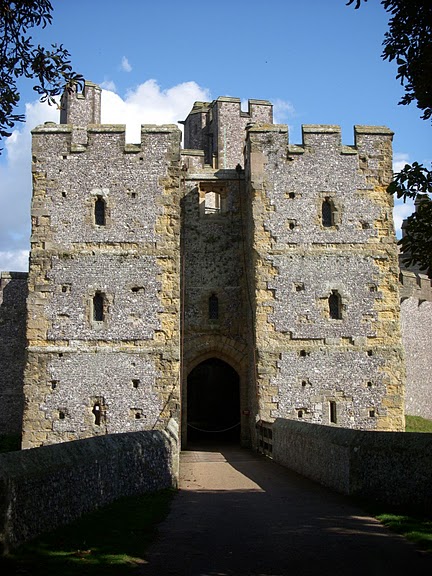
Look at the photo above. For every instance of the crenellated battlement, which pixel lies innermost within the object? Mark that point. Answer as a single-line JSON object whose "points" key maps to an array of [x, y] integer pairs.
{"points": [[316, 136], [415, 285], [80, 138]]}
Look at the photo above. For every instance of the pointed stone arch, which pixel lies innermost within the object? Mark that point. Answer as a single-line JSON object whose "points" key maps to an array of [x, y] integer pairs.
{"points": [[227, 350]]}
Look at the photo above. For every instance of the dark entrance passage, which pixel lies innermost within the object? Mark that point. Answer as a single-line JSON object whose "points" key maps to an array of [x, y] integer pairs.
{"points": [[213, 403]]}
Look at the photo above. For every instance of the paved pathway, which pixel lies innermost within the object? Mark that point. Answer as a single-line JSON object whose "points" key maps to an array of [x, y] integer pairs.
{"points": [[240, 514]]}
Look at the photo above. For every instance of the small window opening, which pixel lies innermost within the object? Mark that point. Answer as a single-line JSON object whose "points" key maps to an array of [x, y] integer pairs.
{"points": [[64, 194], [372, 288], [213, 304], [291, 195], [98, 307], [335, 305], [327, 213], [135, 382], [54, 384], [372, 413], [369, 384], [133, 194], [137, 288], [292, 224], [60, 355], [137, 416], [300, 413], [99, 211], [299, 287], [332, 410], [305, 383], [370, 352], [62, 415], [212, 203], [97, 413], [303, 353]]}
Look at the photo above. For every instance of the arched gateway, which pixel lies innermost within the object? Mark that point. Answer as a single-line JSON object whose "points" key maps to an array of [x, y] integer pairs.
{"points": [[213, 403]]}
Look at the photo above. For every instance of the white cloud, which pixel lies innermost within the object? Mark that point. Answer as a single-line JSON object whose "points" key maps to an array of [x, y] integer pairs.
{"points": [[399, 161], [282, 110], [401, 209], [145, 104], [400, 212], [125, 66], [149, 104], [14, 260], [15, 189], [108, 85]]}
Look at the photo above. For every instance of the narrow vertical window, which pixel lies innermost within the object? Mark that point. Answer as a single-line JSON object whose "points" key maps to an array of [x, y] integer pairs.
{"points": [[213, 307], [99, 211], [332, 412], [98, 307], [327, 213], [97, 413], [335, 305]]}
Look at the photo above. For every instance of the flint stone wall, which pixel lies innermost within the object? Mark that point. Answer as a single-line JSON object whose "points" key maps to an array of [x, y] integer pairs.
{"points": [[394, 468], [416, 337], [49, 486], [13, 293]]}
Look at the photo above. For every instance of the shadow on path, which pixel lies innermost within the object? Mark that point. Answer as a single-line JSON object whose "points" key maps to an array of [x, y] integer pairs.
{"points": [[238, 513]]}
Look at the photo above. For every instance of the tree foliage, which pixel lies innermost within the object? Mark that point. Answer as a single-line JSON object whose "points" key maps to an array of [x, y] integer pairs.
{"points": [[408, 41], [19, 57]]}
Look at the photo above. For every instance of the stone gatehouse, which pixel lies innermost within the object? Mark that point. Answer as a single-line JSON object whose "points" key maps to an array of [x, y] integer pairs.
{"points": [[237, 279]]}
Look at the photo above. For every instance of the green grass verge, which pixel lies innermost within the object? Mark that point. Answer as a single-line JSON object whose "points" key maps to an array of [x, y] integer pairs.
{"points": [[413, 528], [10, 442], [417, 424], [110, 541]]}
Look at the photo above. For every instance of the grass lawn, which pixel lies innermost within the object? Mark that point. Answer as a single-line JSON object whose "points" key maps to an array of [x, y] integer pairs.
{"points": [[414, 528], [417, 424], [110, 541]]}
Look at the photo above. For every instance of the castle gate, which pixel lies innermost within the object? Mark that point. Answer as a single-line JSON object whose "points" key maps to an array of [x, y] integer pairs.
{"points": [[213, 402]]}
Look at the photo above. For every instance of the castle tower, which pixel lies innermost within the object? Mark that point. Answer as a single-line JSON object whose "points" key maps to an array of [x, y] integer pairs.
{"points": [[217, 327], [327, 329], [239, 279], [103, 322]]}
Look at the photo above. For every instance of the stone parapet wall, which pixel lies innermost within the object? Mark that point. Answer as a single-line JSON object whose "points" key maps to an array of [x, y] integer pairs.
{"points": [[393, 468], [46, 487], [13, 294], [415, 284], [416, 337]]}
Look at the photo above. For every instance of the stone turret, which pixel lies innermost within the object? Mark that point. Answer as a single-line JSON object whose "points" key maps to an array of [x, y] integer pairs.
{"points": [[218, 128], [81, 108]]}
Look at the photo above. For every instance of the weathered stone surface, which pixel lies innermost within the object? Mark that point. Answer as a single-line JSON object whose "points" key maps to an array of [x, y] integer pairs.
{"points": [[148, 260], [13, 294], [389, 468], [79, 477]]}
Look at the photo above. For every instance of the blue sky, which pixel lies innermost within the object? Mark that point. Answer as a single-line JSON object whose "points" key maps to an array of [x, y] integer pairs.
{"points": [[318, 61]]}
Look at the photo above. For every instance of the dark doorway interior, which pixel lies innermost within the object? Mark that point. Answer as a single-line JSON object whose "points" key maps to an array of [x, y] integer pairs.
{"points": [[213, 403]]}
